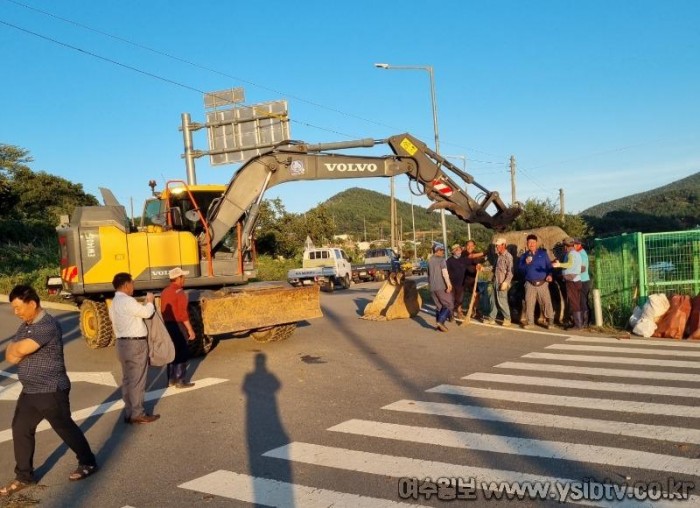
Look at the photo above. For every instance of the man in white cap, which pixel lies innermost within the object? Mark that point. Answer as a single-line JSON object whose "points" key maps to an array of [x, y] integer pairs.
{"points": [[440, 286], [173, 305], [502, 277]]}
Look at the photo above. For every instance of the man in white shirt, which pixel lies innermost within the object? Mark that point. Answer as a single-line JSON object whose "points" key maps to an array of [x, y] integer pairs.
{"points": [[127, 317]]}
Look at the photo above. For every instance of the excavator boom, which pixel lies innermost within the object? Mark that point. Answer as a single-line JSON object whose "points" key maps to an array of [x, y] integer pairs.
{"points": [[296, 161]]}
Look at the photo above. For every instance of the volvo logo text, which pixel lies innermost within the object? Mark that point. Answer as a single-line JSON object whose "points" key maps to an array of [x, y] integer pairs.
{"points": [[352, 167]]}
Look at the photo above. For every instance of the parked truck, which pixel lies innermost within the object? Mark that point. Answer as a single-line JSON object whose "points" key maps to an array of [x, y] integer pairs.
{"points": [[378, 264], [208, 230], [327, 267]]}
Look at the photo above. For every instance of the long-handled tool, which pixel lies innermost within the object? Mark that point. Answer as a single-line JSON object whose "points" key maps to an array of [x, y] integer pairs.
{"points": [[468, 317]]}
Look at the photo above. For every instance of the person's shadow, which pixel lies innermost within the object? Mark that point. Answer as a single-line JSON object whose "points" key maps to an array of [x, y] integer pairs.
{"points": [[264, 432]]}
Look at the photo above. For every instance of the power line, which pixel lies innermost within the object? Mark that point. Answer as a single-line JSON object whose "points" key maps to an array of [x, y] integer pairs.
{"points": [[215, 71], [145, 73], [196, 65]]}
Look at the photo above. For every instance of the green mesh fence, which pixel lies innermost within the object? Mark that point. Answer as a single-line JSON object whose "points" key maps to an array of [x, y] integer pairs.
{"points": [[615, 272], [672, 263], [628, 268]]}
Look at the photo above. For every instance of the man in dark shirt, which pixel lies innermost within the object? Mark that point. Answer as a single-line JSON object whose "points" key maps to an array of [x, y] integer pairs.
{"points": [[37, 350], [473, 262], [456, 268]]}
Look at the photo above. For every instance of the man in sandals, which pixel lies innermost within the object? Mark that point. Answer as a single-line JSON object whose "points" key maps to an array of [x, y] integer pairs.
{"points": [[37, 350]]}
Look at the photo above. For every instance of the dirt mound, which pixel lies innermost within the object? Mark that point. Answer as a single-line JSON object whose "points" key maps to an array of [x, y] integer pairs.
{"points": [[550, 238]]}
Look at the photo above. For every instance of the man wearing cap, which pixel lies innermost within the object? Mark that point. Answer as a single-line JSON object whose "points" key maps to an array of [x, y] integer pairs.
{"points": [[127, 317], [173, 304], [585, 281], [456, 268], [440, 286], [536, 267], [572, 279], [503, 276]]}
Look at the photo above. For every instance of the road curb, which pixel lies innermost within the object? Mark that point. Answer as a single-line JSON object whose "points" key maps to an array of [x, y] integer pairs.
{"points": [[46, 304]]}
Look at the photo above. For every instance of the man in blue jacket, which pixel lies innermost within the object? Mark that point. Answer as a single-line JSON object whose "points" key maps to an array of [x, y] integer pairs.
{"points": [[536, 267]]}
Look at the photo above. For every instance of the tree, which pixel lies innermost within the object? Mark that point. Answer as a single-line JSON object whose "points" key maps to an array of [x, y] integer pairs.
{"points": [[272, 232], [541, 213], [33, 195], [12, 158]]}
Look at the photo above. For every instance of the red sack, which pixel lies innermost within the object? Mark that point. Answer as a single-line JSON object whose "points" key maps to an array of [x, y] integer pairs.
{"points": [[694, 320], [672, 324]]}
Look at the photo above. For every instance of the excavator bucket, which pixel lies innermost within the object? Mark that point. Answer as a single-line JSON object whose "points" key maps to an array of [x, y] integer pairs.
{"points": [[394, 301], [241, 310]]}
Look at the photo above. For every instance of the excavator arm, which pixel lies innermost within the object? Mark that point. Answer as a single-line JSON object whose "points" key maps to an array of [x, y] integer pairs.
{"points": [[295, 161]]}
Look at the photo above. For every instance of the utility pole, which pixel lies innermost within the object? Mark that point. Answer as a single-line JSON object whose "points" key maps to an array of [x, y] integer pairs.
{"points": [[364, 225], [512, 179], [561, 203], [393, 216]]}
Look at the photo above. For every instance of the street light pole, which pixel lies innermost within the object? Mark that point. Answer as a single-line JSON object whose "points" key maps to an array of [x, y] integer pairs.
{"points": [[464, 168], [429, 70]]}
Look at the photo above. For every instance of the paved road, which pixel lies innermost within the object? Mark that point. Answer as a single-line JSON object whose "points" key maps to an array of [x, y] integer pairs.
{"points": [[341, 412]]}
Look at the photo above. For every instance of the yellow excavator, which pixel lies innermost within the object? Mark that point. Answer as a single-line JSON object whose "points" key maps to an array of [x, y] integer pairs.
{"points": [[208, 231]]}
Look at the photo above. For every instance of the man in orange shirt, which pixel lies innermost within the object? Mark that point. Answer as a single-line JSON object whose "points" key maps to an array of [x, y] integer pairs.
{"points": [[173, 304]]}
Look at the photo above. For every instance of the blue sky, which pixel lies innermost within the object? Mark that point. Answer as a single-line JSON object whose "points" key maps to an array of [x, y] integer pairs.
{"points": [[599, 98]]}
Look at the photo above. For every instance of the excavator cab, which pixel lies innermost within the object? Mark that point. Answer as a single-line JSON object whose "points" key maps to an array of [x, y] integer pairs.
{"points": [[181, 207]]}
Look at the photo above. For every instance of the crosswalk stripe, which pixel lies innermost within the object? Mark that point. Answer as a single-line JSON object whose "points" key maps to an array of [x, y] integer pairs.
{"points": [[116, 405], [599, 371], [406, 467], [625, 350], [263, 491], [658, 432], [618, 457], [644, 342], [614, 359], [625, 406], [673, 391]]}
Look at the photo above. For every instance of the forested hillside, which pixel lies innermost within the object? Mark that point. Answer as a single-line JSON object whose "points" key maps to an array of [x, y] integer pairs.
{"points": [[356, 210], [671, 207]]}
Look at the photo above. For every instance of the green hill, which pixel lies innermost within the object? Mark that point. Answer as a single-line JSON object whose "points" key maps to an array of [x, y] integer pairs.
{"points": [[671, 207], [358, 210]]}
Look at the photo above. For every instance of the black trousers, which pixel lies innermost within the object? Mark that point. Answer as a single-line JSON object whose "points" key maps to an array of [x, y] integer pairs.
{"points": [[31, 409]]}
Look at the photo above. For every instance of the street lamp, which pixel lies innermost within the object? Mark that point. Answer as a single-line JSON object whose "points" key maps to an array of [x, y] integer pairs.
{"points": [[429, 70], [464, 168]]}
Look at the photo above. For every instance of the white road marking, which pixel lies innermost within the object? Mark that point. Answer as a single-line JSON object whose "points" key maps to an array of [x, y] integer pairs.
{"points": [[263, 491], [599, 371], [406, 467], [659, 432], [644, 342], [576, 384], [625, 350], [614, 359], [96, 378], [116, 405], [625, 406], [12, 391], [618, 457]]}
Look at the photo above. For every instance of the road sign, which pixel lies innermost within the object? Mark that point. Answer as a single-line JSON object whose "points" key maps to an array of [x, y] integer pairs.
{"points": [[223, 98], [237, 134]]}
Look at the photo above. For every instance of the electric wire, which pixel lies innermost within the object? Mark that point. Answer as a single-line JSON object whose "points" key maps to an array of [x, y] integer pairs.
{"points": [[144, 72], [215, 71]]}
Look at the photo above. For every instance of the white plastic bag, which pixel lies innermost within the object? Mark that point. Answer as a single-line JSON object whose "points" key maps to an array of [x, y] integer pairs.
{"points": [[655, 307]]}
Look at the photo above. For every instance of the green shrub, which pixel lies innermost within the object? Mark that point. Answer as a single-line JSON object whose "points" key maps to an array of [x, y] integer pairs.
{"points": [[270, 268]]}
